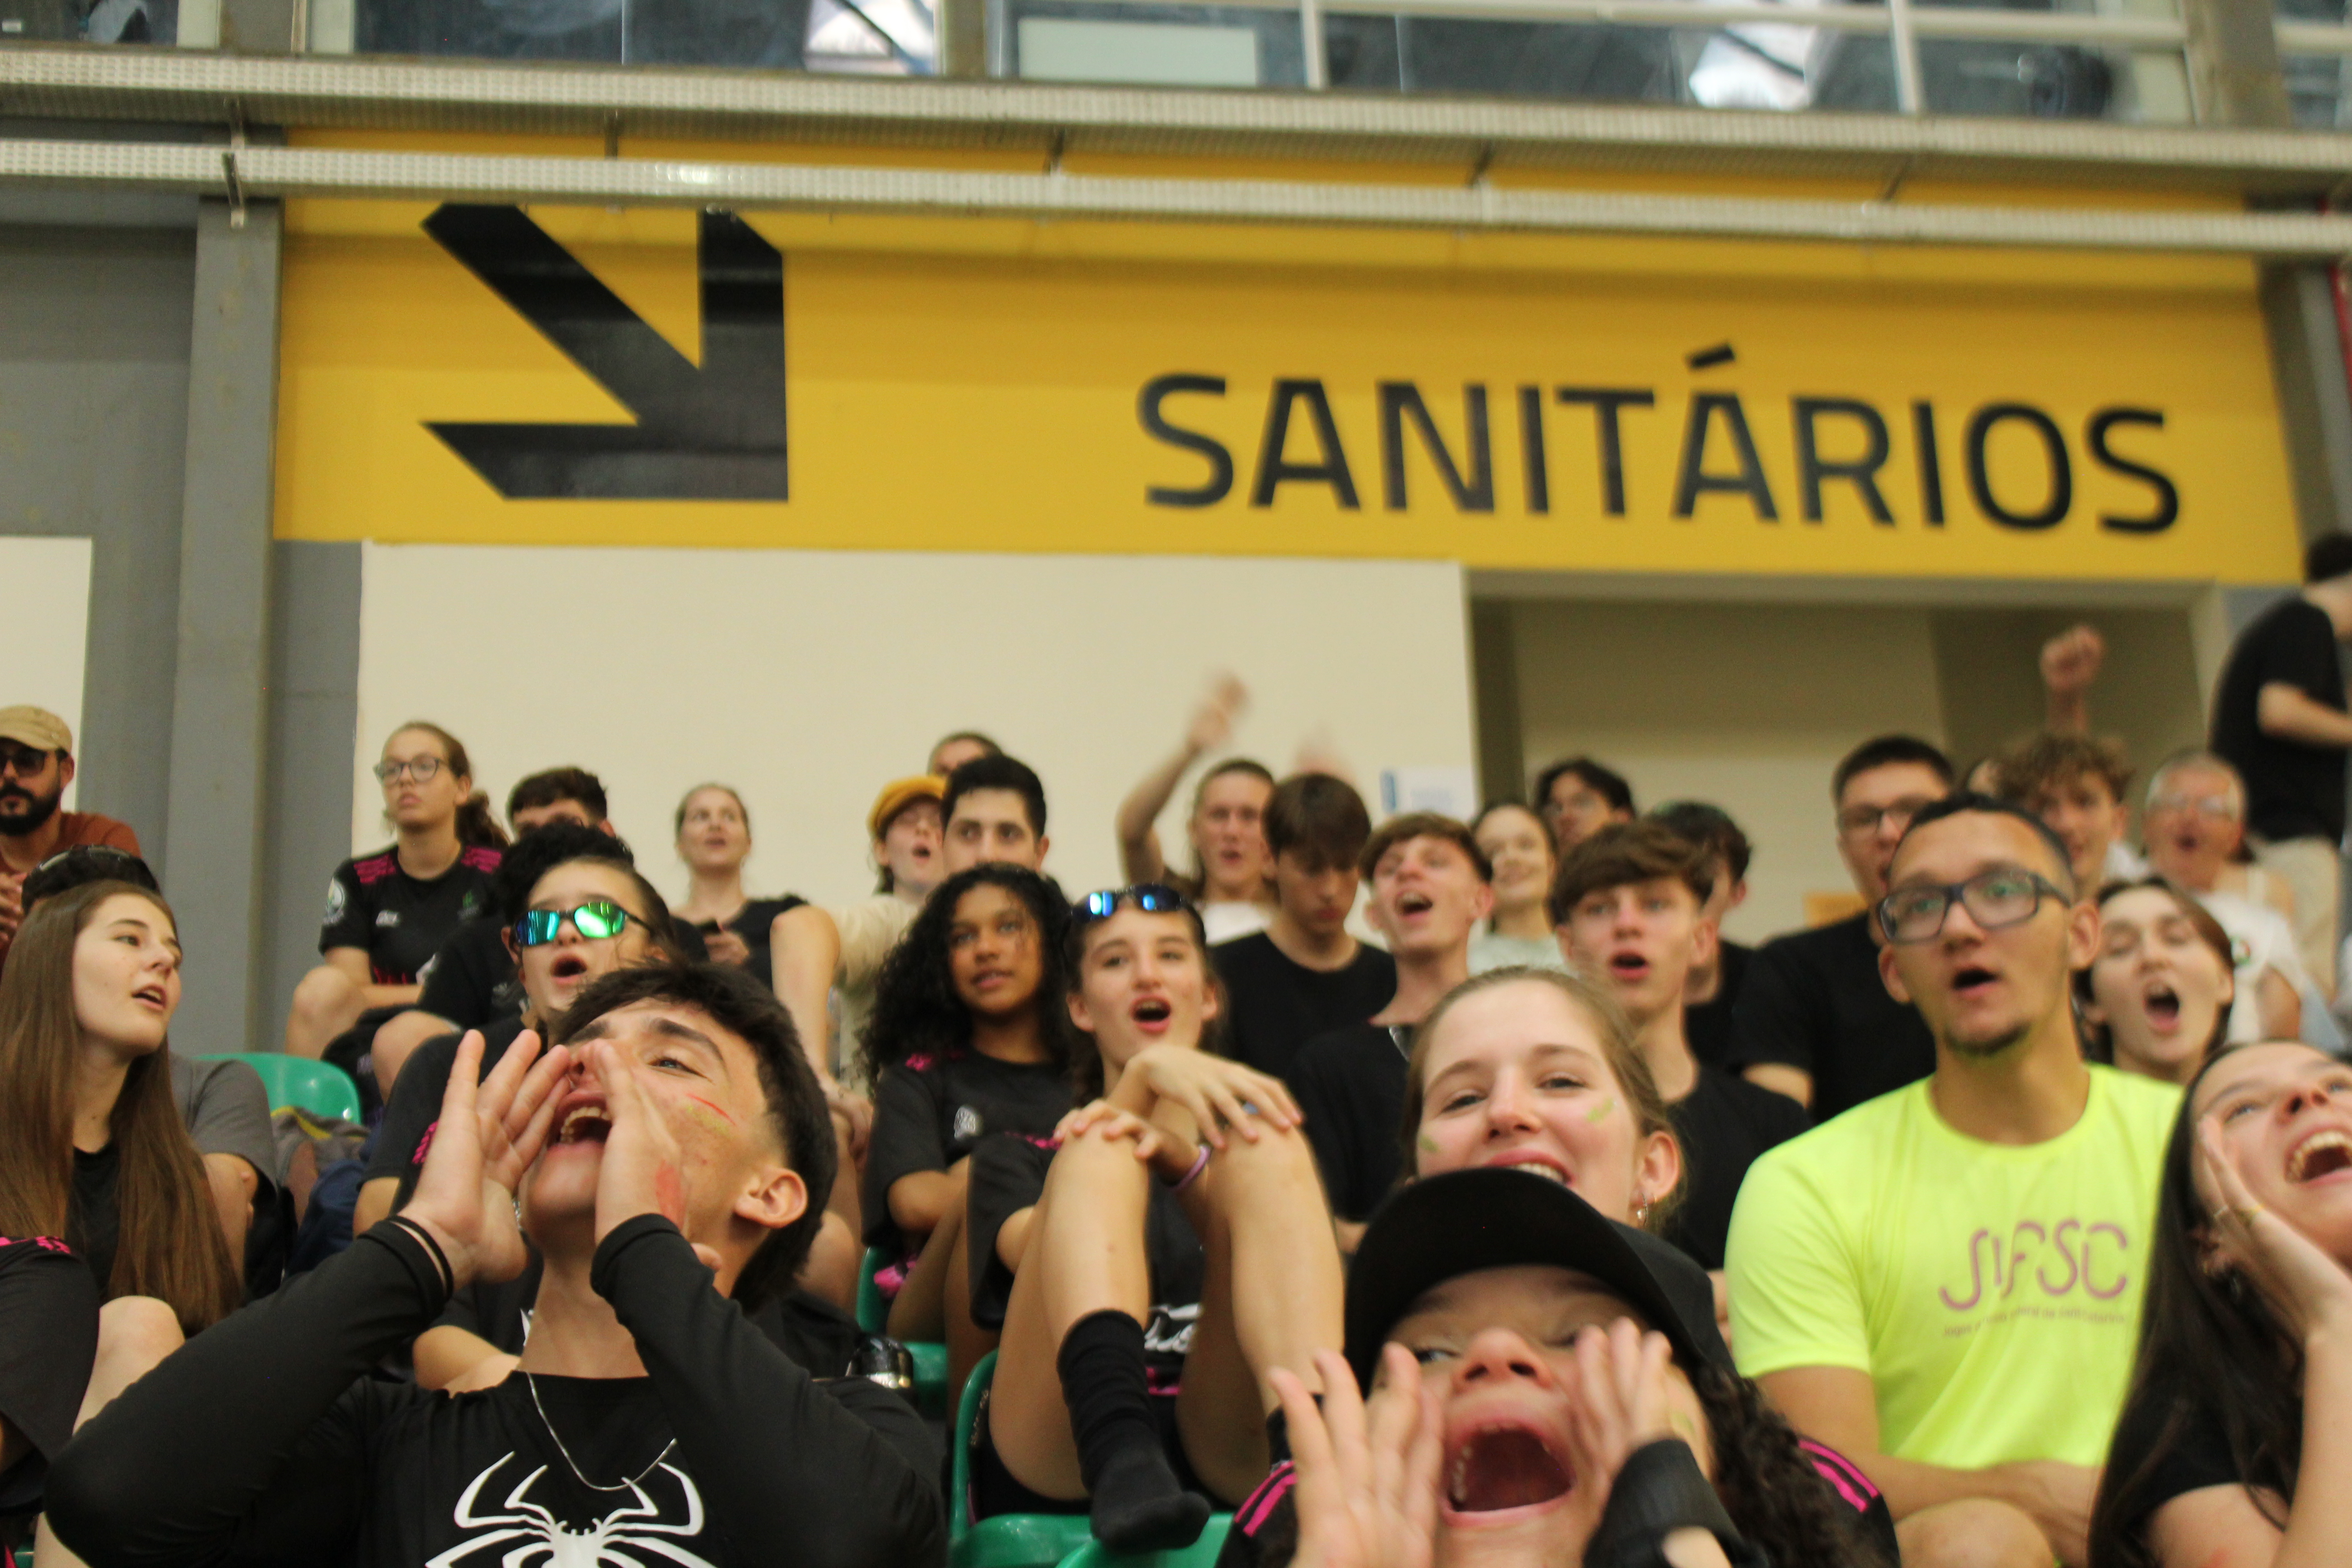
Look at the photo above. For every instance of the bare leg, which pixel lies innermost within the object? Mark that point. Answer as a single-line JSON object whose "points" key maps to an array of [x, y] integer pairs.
{"points": [[326, 1002], [1271, 1296], [967, 1341], [844, 1200], [1085, 1256], [831, 1270], [921, 1310], [1974, 1532], [134, 1333], [397, 1040]]}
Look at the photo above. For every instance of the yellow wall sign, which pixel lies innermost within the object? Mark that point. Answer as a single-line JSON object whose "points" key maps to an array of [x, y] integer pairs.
{"points": [[481, 374]]}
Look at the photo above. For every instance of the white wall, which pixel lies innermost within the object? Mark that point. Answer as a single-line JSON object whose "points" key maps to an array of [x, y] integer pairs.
{"points": [[1747, 706], [46, 633], [808, 679]]}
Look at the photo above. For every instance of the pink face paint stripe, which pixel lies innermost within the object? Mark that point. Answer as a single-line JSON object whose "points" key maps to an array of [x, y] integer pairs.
{"points": [[713, 1109]]}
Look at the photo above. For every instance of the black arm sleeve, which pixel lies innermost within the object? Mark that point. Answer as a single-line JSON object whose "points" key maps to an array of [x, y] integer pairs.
{"points": [[350, 919], [778, 1458], [1778, 1017], [247, 1442], [906, 1141]]}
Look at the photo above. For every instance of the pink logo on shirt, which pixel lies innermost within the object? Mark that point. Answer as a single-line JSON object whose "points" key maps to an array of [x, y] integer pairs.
{"points": [[2059, 1259]]}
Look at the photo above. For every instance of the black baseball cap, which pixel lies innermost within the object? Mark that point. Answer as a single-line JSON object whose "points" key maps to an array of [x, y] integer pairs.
{"points": [[1465, 1221]]}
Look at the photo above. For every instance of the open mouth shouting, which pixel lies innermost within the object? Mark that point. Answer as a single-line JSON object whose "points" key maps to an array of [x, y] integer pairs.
{"points": [[1628, 967], [1411, 904], [2163, 1005], [1152, 1014], [567, 968], [1503, 1469], [2328, 1152], [584, 1121], [1973, 981]]}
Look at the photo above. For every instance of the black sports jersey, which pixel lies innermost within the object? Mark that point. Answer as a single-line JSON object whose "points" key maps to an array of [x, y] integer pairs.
{"points": [[1723, 1124], [471, 981], [1008, 1174], [415, 1109], [930, 1111], [264, 1440], [818, 1336], [754, 922], [399, 920], [1351, 1083]]}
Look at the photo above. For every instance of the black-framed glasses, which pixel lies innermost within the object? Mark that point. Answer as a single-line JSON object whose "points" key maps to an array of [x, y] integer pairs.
{"points": [[25, 762], [1861, 821], [1152, 898], [595, 920], [424, 769], [2005, 896]]}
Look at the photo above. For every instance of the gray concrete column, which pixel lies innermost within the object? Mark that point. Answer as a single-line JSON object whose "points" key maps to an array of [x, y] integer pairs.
{"points": [[220, 688], [2314, 397]]}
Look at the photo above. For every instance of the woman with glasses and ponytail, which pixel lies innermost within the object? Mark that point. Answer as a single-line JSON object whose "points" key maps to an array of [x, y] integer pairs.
{"points": [[389, 912], [1154, 1260]]}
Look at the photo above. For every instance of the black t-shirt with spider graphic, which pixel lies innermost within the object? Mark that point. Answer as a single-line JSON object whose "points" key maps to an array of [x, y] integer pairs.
{"points": [[265, 1441]]}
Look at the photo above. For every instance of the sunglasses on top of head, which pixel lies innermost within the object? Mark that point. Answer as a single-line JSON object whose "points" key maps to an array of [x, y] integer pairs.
{"points": [[597, 918], [1152, 898]]}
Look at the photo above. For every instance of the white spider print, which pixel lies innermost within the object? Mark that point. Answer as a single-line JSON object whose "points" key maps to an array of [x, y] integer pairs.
{"points": [[629, 1537]]}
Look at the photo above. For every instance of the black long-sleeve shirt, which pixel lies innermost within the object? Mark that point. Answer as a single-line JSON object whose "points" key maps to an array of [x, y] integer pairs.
{"points": [[264, 1440]]}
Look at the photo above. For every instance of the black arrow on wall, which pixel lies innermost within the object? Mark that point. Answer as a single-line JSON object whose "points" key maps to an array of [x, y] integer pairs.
{"points": [[711, 433]]}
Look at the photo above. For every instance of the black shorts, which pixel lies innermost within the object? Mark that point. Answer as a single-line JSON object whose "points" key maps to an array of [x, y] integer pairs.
{"points": [[996, 1490]]}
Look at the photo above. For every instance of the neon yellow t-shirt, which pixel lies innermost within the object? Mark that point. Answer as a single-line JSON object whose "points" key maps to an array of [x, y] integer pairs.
{"points": [[1991, 1290]]}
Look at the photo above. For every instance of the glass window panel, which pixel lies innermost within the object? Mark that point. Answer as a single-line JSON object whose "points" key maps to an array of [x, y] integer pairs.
{"points": [[2315, 90], [767, 33], [2167, 9], [2053, 82], [1760, 67], [1196, 46], [90, 21]]}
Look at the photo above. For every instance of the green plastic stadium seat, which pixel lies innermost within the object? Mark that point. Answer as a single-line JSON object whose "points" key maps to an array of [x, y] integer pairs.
{"points": [[1201, 1554], [321, 1088], [931, 1359], [1008, 1540]]}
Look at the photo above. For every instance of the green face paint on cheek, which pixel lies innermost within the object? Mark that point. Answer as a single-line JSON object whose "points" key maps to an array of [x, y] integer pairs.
{"points": [[1428, 1144], [1602, 1110]]}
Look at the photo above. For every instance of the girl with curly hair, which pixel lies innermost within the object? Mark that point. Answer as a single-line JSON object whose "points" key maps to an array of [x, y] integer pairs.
{"points": [[969, 1036]]}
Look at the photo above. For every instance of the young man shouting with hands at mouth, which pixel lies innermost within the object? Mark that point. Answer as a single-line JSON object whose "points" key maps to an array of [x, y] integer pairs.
{"points": [[672, 1153]]}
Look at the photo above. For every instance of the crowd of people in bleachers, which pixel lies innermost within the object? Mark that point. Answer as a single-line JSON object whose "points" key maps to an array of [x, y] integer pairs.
{"points": [[2007, 1220]]}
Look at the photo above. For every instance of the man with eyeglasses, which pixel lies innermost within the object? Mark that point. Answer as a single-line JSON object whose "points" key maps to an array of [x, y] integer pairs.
{"points": [[35, 765], [1813, 1020], [1944, 1284], [2279, 718], [2196, 824]]}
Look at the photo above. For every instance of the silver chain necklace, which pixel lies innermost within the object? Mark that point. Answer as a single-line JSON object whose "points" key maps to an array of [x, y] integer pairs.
{"points": [[630, 1485]]}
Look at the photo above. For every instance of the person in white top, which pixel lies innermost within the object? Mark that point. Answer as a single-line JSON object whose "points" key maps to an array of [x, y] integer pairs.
{"points": [[910, 861], [1231, 879], [1519, 846], [2196, 821]]}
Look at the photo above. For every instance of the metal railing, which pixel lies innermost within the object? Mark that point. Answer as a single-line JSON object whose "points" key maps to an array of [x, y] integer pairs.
{"points": [[2143, 42]]}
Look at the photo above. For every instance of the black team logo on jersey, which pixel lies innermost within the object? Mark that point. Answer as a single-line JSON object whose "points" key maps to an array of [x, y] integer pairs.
{"points": [[711, 432]]}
